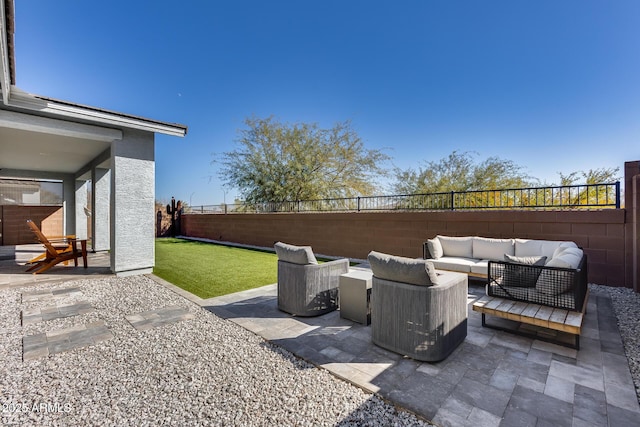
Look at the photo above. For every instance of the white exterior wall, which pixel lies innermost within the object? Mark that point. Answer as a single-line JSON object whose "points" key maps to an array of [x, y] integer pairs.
{"points": [[100, 211], [81, 216], [132, 203]]}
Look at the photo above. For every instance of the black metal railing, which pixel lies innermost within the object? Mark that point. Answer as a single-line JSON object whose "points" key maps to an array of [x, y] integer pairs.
{"points": [[587, 196]]}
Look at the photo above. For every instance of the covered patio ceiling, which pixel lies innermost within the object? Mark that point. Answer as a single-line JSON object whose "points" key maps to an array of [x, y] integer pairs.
{"points": [[31, 142], [28, 150]]}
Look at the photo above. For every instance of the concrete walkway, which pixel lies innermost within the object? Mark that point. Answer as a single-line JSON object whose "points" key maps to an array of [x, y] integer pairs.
{"points": [[492, 379]]}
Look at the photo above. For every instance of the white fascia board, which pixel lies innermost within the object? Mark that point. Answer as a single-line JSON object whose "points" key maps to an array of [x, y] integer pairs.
{"points": [[26, 100], [28, 122], [4, 57]]}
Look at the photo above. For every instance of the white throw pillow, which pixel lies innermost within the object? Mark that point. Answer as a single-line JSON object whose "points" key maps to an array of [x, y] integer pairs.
{"points": [[567, 259], [525, 247], [567, 249], [435, 248]]}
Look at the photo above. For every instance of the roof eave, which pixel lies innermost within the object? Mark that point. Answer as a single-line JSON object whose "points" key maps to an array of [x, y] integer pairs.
{"points": [[59, 108]]}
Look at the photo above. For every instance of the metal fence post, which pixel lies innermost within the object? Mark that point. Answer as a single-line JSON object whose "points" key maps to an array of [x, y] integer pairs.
{"points": [[358, 203], [453, 207], [617, 194]]}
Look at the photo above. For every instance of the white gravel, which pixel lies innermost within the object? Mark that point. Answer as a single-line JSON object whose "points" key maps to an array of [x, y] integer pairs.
{"points": [[626, 304], [204, 371]]}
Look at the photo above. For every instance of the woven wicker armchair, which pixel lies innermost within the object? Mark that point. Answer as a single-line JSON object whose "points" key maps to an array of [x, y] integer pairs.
{"points": [[424, 321], [306, 288]]}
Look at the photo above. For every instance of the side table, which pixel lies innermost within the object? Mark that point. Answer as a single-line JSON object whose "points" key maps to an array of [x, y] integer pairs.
{"points": [[355, 296]]}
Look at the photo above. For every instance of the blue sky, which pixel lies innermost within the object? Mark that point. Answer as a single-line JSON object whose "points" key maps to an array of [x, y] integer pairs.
{"points": [[552, 85]]}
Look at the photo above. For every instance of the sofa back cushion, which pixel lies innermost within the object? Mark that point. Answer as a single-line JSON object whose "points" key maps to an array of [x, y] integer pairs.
{"points": [[568, 258], [295, 254], [525, 247], [492, 249], [401, 269], [456, 246]]}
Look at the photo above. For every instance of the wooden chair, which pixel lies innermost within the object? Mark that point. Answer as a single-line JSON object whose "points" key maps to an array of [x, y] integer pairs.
{"points": [[61, 243], [57, 250]]}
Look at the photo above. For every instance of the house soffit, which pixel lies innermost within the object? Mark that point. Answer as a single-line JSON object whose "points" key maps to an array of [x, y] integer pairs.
{"points": [[29, 142]]}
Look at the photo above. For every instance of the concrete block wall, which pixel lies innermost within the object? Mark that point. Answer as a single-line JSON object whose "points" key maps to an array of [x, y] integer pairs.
{"points": [[14, 224], [354, 235]]}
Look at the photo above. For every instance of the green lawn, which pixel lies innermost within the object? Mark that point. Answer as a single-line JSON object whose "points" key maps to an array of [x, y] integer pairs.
{"points": [[208, 270]]}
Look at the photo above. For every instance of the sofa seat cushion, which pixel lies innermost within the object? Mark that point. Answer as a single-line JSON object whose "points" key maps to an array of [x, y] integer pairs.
{"points": [[295, 254], [460, 264], [480, 267], [403, 270], [492, 249], [456, 246]]}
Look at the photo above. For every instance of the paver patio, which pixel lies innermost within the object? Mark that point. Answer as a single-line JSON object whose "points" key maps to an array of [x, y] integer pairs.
{"points": [[494, 378]]}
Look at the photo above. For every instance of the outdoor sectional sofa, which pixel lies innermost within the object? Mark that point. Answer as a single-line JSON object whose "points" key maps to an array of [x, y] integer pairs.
{"points": [[537, 282], [550, 273]]}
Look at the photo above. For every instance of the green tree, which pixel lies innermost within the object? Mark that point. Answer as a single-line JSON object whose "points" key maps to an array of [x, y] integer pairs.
{"points": [[460, 172], [592, 176], [276, 162], [594, 195]]}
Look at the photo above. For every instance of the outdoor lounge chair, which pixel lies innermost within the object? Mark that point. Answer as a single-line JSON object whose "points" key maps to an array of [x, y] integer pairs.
{"points": [[416, 311], [306, 288], [56, 251]]}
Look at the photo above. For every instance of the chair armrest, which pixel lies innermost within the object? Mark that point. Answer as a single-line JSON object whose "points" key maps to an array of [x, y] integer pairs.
{"points": [[425, 251]]}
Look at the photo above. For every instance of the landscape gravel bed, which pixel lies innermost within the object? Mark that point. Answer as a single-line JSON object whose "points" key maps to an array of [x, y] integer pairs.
{"points": [[626, 304], [203, 371]]}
